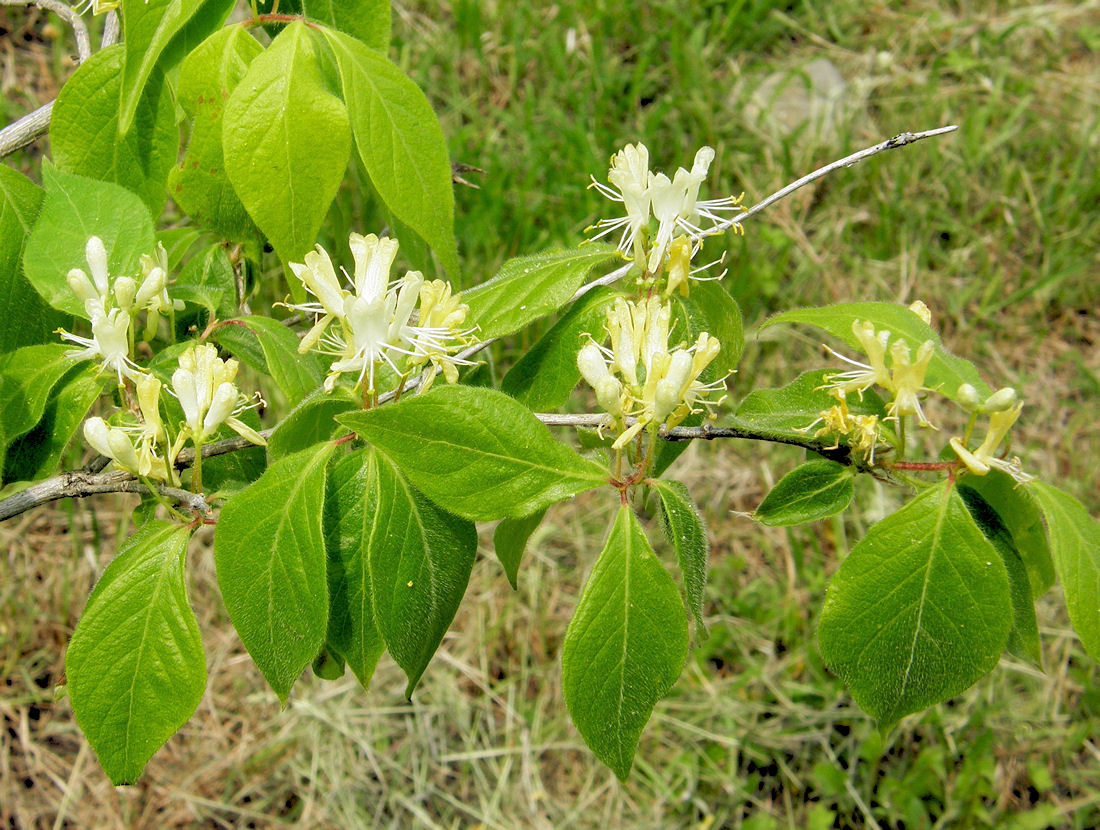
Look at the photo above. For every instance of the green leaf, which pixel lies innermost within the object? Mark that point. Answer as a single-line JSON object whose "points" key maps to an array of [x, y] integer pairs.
{"points": [[310, 422], [945, 370], [546, 375], [1016, 508], [135, 665], [366, 20], [400, 142], [1023, 640], [241, 342], [813, 491], [269, 549], [685, 531], [208, 281], [148, 26], [27, 376], [287, 142], [920, 609], [296, 375], [351, 499], [509, 540], [710, 308], [420, 562], [200, 184], [477, 451], [76, 208], [85, 135], [38, 452], [530, 287], [28, 320], [625, 646], [790, 409], [1075, 547]]}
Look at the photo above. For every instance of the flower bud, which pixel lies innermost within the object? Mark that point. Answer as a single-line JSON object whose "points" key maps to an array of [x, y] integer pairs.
{"points": [[125, 289], [1000, 400], [969, 398]]}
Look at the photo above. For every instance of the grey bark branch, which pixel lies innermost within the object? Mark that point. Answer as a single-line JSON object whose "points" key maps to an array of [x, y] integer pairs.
{"points": [[27, 129]]}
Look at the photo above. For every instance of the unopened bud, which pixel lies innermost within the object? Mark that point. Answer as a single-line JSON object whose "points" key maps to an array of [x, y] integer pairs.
{"points": [[969, 398], [1000, 400], [125, 290]]}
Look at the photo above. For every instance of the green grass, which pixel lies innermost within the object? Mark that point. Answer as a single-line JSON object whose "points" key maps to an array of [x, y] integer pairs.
{"points": [[994, 227]]}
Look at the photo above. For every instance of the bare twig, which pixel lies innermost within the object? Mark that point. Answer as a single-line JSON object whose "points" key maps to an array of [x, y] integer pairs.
{"points": [[80, 483], [28, 128]]}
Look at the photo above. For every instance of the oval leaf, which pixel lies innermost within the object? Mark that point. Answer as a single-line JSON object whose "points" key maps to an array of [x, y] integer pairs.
{"points": [[27, 318], [1075, 548], [530, 287], [625, 646], [687, 534], [509, 540], [919, 611], [420, 562], [351, 497], [135, 665], [200, 185], [283, 174], [813, 491], [76, 208], [85, 136], [400, 142], [269, 550], [477, 451], [296, 375]]}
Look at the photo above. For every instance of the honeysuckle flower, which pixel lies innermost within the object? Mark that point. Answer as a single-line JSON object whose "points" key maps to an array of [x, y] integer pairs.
{"points": [[865, 375], [862, 430], [907, 380], [373, 321], [442, 315], [638, 376], [982, 460], [204, 385], [674, 203], [92, 292], [110, 341], [112, 442], [921, 310]]}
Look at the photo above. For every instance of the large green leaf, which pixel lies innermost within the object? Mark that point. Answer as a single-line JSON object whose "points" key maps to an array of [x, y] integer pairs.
{"points": [[400, 142], [208, 280], [1075, 547], [920, 609], [945, 371], [200, 184], [1016, 508], [625, 646], [687, 534], [295, 374], [38, 452], [351, 499], [270, 553], [287, 142], [809, 492], [27, 318], [509, 540], [85, 136], [530, 287], [148, 26], [546, 375], [135, 666], [477, 452], [367, 20], [1023, 640], [27, 376], [76, 208], [420, 562]]}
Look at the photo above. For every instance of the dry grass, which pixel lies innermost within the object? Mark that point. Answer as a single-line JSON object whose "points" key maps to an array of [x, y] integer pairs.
{"points": [[1003, 248]]}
